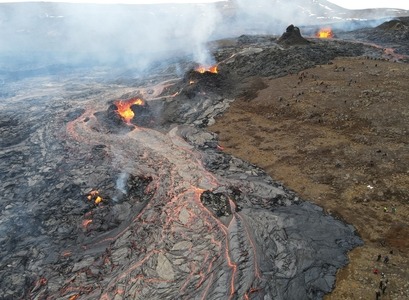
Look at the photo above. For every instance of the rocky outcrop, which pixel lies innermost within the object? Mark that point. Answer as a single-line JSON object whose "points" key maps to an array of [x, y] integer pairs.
{"points": [[292, 36]]}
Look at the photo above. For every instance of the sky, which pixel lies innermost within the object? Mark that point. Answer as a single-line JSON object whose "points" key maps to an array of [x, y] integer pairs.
{"points": [[351, 4]]}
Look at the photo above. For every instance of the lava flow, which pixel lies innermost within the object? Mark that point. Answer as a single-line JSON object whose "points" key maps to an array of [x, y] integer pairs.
{"points": [[210, 69], [174, 226], [124, 108], [325, 33], [204, 226]]}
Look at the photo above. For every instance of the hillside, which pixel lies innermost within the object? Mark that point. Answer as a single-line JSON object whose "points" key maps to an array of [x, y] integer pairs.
{"points": [[337, 135]]}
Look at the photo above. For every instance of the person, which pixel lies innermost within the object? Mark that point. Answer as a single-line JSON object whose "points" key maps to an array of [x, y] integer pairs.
{"points": [[386, 259], [379, 257], [378, 294], [385, 209], [381, 284], [376, 271], [384, 289]]}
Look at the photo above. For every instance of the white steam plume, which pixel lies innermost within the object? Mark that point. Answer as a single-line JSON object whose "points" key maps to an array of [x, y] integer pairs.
{"points": [[135, 35]]}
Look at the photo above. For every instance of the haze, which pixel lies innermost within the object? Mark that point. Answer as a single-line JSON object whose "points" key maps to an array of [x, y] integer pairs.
{"points": [[350, 4]]}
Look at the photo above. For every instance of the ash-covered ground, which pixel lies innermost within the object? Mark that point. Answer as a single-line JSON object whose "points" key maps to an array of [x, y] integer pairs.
{"points": [[96, 208]]}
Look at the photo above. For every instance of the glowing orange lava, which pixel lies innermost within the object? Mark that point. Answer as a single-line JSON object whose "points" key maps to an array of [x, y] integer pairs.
{"points": [[85, 223], [66, 253], [124, 108], [210, 69], [325, 33], [94, 196], [42, 281]]}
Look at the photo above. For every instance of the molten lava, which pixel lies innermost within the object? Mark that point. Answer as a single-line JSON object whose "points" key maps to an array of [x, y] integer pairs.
{"points": [[210, 69], [85, 223], [95, 197], [124, 108], [325, 33]]}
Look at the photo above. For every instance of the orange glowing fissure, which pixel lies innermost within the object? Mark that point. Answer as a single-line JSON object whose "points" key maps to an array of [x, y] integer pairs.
{"points": [[210, 69], [124, 108], [85, 223], [325, 33]]}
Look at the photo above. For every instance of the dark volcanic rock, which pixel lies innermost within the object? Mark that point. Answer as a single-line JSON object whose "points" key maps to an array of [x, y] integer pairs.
{"points": [[401, 24], [216, 202], [113, 116], [271, 60], [292, 36], [195, 83], [199, 97], [143, 115], [393, 34]]}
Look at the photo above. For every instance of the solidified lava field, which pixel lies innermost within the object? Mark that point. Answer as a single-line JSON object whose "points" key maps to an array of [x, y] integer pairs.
{"points": [[98, 208]]}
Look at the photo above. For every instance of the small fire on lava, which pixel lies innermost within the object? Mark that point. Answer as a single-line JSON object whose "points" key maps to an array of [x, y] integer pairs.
{"points": [[210, 69], [124, 108], [325, 33]]}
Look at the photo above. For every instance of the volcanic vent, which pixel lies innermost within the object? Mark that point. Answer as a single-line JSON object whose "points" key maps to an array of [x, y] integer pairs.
{"points": [[133, 111]]}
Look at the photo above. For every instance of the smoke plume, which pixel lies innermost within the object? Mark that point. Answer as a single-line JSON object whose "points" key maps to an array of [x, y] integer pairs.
{"points": [[132, 35]]}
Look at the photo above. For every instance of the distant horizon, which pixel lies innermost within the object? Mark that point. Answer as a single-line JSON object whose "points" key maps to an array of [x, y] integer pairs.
{"points": [[349, 4]]}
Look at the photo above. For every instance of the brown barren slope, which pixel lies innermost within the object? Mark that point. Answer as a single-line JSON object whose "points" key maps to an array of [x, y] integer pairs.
{"points": [[338, 135]]}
